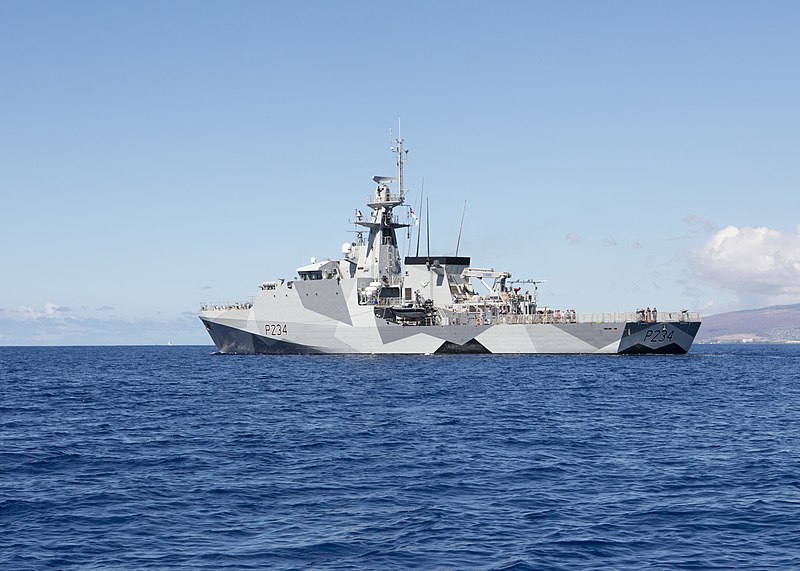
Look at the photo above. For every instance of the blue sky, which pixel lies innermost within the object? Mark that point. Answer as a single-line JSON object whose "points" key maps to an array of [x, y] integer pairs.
{"points": [[154, 155]]}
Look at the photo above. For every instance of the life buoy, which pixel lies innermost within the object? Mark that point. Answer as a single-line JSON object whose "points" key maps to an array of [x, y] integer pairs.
{"points": [[477, 321]]}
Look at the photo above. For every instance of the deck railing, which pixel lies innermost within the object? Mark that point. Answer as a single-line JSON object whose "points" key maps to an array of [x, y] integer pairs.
{"points": [[226, 305], [383, 198], [489, 318], [661, 316]]}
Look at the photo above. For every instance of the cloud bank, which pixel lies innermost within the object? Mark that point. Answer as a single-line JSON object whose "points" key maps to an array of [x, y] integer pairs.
{"points": [[760, 265], [55, 324]]}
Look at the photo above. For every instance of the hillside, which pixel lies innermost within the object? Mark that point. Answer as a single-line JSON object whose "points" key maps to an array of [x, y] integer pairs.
{"points": [[776, 324]]}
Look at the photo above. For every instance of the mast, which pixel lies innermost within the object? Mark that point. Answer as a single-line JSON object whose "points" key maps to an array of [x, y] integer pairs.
{"points": [[398, 149], [419, 227], [381, 256]]}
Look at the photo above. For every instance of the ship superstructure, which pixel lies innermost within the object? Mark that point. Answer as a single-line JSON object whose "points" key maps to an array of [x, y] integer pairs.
{"points": [[371, 300]]}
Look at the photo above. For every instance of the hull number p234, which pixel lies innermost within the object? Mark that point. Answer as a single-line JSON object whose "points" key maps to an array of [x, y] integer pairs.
{"points": [[658, 336], [275, 329]]}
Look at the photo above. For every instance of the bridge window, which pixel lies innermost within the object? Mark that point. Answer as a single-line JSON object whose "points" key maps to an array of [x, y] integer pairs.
{"points": [[310, 275]]}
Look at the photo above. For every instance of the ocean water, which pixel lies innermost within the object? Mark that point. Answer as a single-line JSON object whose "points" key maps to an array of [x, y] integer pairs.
{"points": [[173, 457]]}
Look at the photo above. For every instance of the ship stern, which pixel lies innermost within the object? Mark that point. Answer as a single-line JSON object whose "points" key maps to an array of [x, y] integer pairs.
{"points": [[658, 338]]}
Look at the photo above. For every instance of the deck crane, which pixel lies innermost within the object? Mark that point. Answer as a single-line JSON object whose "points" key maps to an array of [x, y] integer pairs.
{"points": [[499, 285]]}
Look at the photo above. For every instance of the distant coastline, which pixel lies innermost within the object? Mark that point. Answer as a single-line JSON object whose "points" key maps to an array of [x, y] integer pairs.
{"points": [[778, 324]]}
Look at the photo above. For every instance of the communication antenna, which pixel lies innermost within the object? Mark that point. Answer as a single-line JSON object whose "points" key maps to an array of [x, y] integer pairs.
{"points": [[458, 242], [396, 146], [428, 224], [419, 227]]}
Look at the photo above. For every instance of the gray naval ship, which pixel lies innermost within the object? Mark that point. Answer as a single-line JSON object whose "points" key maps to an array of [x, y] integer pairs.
{"points": [[372, 301]]}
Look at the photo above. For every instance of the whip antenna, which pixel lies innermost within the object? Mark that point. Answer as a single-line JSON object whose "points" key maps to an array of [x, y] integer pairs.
{"points": [[419, 228], [458, 242], [428, 224]]}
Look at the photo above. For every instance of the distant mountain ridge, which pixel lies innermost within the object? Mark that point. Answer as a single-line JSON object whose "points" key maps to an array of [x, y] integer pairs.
{"points": [[775, 324]]}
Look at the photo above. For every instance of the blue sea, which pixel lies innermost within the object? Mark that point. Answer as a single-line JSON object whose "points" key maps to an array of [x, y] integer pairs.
{"points": [[177, 458]]}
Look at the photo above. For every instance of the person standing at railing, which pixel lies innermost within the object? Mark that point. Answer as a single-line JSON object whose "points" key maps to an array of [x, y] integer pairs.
{"points": [[655, 313], [648, 315]]}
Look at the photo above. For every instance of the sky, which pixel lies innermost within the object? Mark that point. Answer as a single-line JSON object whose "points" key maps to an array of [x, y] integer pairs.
{"points": [[156, 155]]}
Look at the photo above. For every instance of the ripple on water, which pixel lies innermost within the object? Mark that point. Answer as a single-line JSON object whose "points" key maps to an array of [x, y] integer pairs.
{"points": [[148, 457]]}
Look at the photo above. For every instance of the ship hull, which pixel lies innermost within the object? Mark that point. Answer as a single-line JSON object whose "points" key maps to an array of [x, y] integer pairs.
{"points": [[243, 334]]}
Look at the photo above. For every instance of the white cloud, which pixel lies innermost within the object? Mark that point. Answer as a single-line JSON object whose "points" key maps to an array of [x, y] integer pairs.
{"points": [[759, 265], [50, 311]]}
